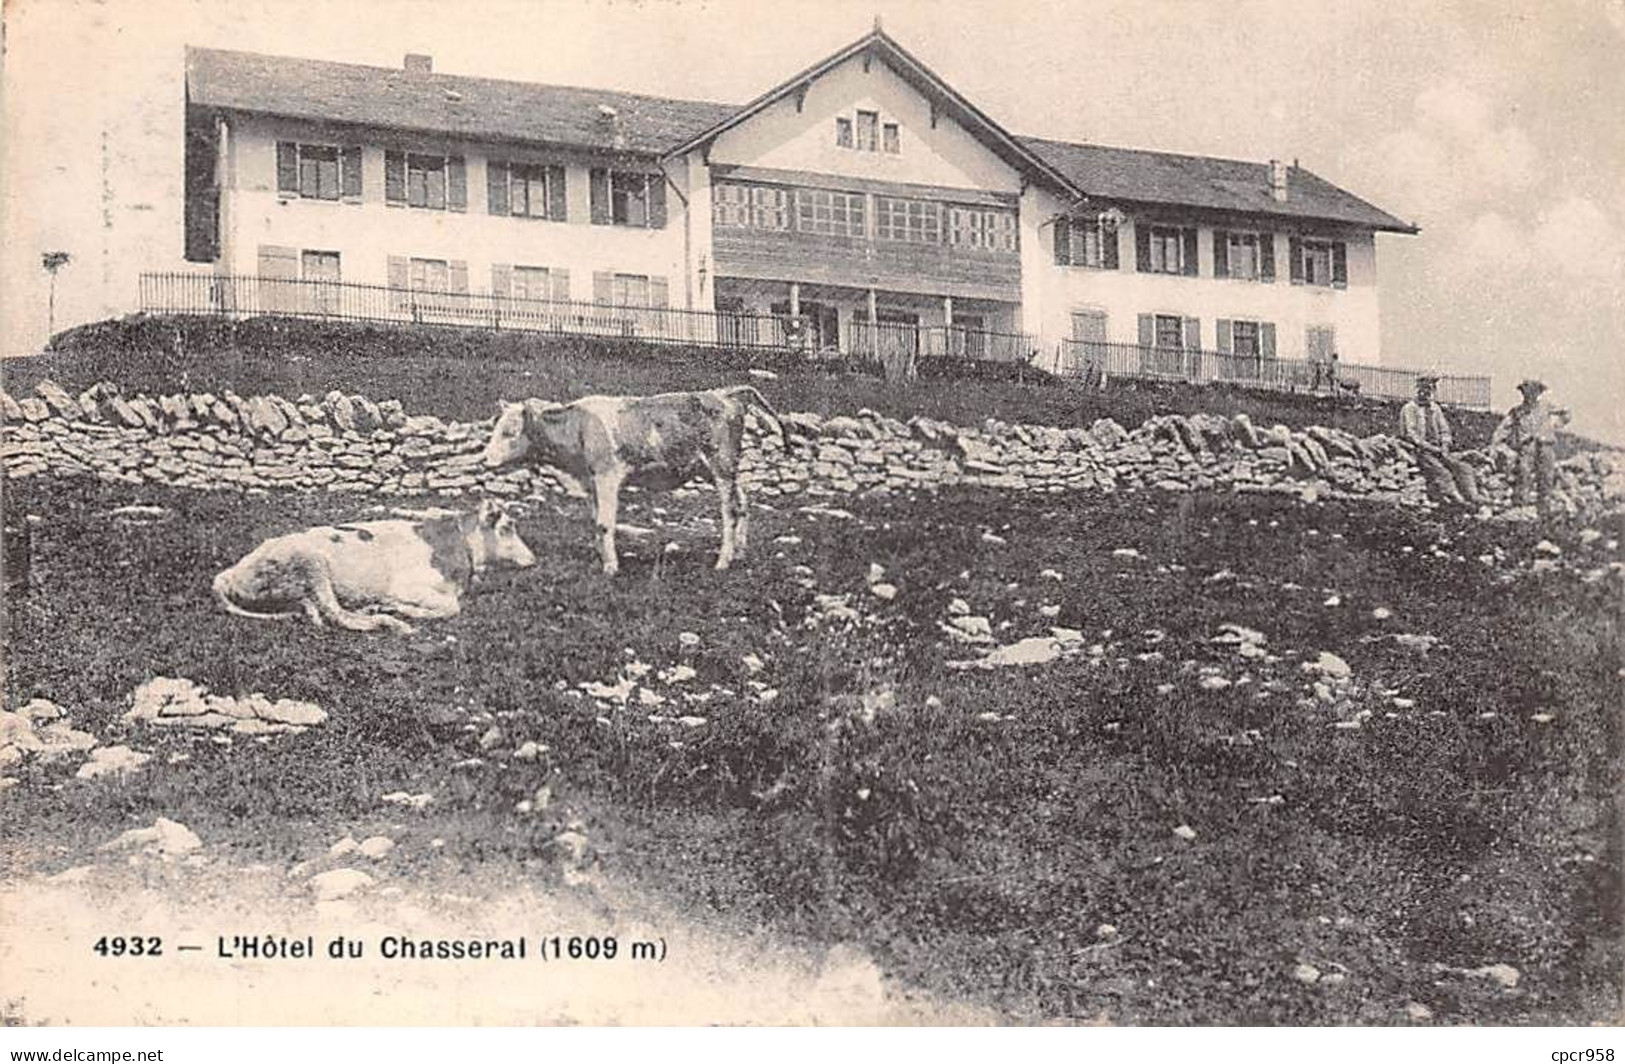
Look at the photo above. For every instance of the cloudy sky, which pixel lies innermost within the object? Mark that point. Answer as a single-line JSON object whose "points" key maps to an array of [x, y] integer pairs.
{"points": [[1495, 126]]}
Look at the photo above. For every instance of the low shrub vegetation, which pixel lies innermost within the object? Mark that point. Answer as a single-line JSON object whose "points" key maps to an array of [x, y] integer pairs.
{"points": [[1164, 820]]}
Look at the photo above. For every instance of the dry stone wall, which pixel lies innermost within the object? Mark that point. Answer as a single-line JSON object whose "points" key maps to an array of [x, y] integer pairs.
{"points": [[350, 443]]}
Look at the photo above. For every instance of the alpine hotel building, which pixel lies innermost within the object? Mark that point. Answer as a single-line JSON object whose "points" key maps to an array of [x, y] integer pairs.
{"points": [[863, 189]]}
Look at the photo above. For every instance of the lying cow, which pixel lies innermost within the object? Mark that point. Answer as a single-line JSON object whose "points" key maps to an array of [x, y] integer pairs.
{"points": [[417, 569], [656, 441]]}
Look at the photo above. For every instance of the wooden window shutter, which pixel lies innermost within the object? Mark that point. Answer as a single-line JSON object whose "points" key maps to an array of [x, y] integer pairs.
{"points": [[459, 276], [394, 177], [1108, 247], [1148, 330], [502, 280], [603, 287], [657, 201], [560, 281], [456, 183], [1295, 258], [350, 171], [279, 263], [1221, 256], [598, 182], [398, 275], [1188, 267], [287, 166], [658, 292], [1193, 334], [1266, 257], [1142, 247], [496, 187], [1340, 264], [1063, 242], [557, 202], [1222, 327], [1266, 339]]}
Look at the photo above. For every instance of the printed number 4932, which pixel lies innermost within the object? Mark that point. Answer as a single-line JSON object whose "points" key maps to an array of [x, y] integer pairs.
{"points": [[135, 946]]}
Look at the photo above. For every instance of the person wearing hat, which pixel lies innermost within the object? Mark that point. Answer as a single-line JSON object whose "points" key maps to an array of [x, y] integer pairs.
{"points": [[1529, 431], [1423, 425]]}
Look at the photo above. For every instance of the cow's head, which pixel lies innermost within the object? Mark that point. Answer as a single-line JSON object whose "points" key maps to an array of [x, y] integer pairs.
{"points": [[521, 429], [495, 538]]}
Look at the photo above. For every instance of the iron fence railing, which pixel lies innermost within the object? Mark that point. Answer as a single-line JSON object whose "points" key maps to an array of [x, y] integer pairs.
{"points": [[247, 296], [241, 296], [1095, 360]]}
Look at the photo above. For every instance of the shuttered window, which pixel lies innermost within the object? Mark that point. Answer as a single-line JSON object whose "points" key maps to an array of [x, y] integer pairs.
{"points": [[1086, 242], [1165, 249], [318, 171], [433, 182], [1243, 255], [1319, 262], [429, 275], [525, 190], [630, 289], [1170, 331], [628, 198]]}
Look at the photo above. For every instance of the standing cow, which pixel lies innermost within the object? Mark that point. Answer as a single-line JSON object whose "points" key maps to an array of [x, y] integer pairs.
{"points": [[417, 569], [655, 441]]}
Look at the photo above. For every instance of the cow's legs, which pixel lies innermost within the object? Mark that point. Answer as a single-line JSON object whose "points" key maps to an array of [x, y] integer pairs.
{"points": [[328, 607], [438, 609], [728, 495], [606, 496], [741, 519]]}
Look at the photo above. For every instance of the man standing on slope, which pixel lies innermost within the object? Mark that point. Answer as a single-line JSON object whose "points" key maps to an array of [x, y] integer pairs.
{"points": [[1530, 431], [1423, 425]]}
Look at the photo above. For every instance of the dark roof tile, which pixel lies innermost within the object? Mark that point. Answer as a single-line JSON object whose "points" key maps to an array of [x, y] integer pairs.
{"points": [[1205, 182], [448, 104]]}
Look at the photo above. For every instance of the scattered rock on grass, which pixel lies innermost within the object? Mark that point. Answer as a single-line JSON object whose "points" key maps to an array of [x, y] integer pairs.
{"points": [[166, 838]]}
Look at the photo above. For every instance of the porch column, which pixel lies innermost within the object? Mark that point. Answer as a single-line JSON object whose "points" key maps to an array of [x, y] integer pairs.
{"points": [[873, 307], [948, 311], [795, 299]]}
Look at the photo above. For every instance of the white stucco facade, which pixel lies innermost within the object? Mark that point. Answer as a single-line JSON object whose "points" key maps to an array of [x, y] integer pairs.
{"points": [[367, 232], [810, 137]]}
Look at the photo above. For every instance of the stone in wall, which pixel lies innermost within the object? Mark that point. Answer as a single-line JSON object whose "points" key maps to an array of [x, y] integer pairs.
{"points": [[349, 443]]}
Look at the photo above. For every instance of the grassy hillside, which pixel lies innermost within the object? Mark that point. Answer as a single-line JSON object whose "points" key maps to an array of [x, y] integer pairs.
{"points": [[1165, 823], [461, 373]]}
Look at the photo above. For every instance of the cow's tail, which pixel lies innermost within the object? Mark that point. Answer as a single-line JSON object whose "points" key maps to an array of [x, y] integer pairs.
{"points": [[753, 401]]}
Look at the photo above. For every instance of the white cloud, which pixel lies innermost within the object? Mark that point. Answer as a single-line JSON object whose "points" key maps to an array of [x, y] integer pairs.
{"points": [[1454, 154], [1581, 239], [1614, 12], [1573, 242]]}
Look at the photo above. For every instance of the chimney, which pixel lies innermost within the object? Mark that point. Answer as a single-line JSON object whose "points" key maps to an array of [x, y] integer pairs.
{"points": [[1278, 180], [417, 63]]}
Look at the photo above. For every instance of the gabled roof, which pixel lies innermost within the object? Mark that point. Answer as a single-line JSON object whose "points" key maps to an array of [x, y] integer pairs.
{"points": [[454, 105], [653, 126], [876, 44], [1230, 185]]}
